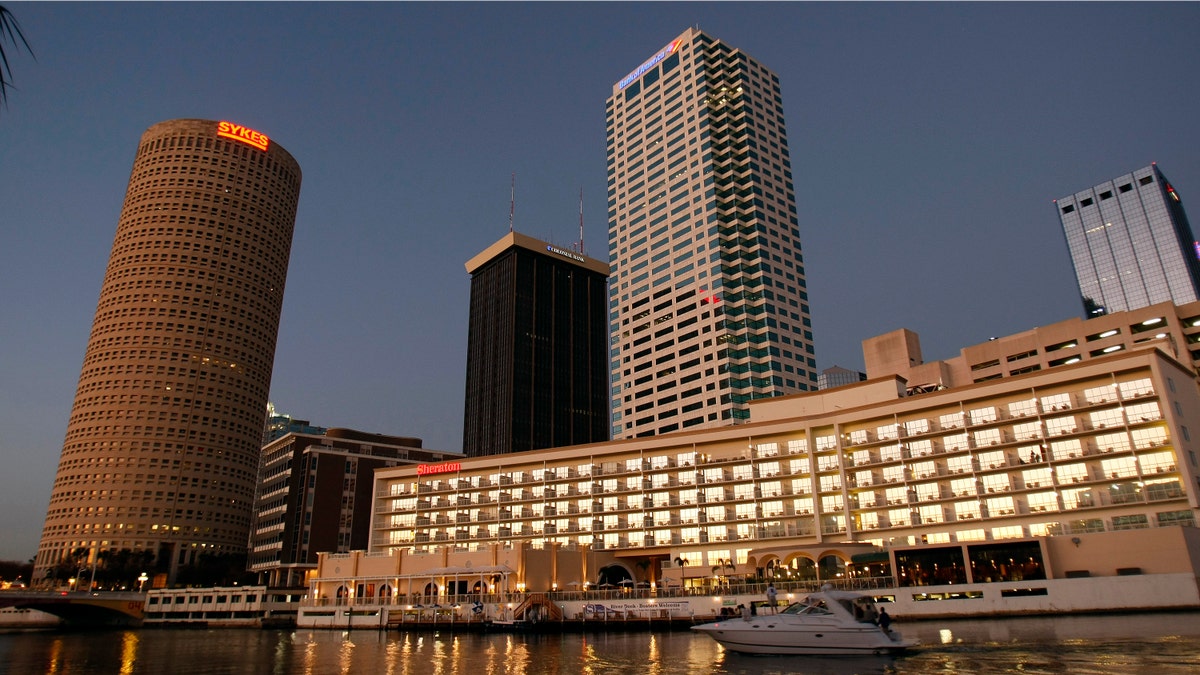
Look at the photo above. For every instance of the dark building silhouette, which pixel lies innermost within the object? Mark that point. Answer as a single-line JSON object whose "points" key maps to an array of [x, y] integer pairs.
{"points": [[315, 494], [537, 349]]}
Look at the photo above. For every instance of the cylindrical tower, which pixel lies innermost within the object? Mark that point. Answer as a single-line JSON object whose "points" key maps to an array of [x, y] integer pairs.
{"points": [[162, 447]]}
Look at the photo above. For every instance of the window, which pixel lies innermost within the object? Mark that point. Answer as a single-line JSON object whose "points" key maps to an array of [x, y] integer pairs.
{"points": [[1145, 180], [1062, 345], [1068, 208], [1107, 194], [986, 364], [1130, 522]]}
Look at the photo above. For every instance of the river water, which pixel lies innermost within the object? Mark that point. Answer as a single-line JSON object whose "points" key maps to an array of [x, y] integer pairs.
{"points": [[1162, 644]]}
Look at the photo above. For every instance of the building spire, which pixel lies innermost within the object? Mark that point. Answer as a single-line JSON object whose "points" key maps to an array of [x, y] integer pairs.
{"points": [[580, 220], [512, 201]]}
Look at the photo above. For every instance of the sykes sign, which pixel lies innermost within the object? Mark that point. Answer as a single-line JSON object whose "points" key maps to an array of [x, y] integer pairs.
{"points": [[241, 134]]}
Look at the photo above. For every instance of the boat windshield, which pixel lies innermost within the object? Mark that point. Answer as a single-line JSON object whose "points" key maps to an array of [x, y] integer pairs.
{"points": [[808, 608]]}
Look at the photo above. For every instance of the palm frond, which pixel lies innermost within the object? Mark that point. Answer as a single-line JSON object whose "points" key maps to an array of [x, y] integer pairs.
{"points": [[10, 32]]}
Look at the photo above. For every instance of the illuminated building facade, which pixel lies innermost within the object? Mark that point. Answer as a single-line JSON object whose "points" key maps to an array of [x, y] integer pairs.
{"points": [[1131, 244], [162, 447], [537, 348], [708, 303], [314, 495], [1096, 446]]}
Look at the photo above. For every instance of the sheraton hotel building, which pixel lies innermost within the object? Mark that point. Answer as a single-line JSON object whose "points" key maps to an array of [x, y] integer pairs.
{"points": [[1074, 429]]}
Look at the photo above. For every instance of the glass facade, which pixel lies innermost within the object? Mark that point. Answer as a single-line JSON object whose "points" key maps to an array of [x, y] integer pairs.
{"points": [[1131, 244], [708, 306], [536, 349]]}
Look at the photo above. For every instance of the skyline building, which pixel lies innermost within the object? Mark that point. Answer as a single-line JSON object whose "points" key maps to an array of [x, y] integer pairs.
{"points": [[537, 348], [708, 302], [280, 424], [315, 495], [1131, 244], [161, 453]]}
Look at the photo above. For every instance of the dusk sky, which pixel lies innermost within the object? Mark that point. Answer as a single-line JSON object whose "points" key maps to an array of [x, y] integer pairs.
{"points": [[927, 144]]}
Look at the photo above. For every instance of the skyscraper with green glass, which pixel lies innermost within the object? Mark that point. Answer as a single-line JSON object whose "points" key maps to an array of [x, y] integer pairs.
{"points": [[707, 298]]}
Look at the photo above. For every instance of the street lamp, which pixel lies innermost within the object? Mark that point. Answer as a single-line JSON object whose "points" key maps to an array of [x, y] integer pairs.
{"points": [[142, 579]]}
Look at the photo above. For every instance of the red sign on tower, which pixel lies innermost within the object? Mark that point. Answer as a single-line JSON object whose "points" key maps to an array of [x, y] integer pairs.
{"points": [[241, 134]]}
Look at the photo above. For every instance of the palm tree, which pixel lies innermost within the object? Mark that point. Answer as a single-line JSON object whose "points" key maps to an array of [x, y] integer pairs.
{"points": [[10, 31], [643, 565]]}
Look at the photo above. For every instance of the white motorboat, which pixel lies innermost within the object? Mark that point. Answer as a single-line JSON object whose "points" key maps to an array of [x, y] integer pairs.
{"points": [[828, 622]]}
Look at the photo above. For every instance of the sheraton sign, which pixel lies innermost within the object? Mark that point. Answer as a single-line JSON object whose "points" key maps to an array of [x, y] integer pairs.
{"points": [[241, 134], [444, 467]]}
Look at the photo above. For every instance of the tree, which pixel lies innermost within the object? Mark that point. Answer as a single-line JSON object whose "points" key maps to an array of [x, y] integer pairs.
{"points": [[10, 32], [643, 565], [221, 569], [16, 572]]}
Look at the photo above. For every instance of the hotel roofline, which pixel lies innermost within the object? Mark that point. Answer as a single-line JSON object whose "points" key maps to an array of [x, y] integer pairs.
{"points": [[846, 404]]}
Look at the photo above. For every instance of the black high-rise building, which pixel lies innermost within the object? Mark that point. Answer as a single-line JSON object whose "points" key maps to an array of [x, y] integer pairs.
{"points": [[537, 349]]}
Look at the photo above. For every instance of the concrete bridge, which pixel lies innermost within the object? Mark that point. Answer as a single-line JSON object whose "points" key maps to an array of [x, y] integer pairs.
{"points": [[81, 609]]}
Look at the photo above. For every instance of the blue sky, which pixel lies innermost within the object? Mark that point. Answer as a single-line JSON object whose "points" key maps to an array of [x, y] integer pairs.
{"points": [[927, 141]]}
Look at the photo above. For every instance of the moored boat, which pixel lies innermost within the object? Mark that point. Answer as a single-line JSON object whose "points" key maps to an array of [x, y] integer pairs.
{"points": [[827, 622]]}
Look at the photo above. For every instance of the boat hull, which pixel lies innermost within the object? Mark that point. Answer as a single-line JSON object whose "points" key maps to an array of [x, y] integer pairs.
{"points": [[778, 638]]}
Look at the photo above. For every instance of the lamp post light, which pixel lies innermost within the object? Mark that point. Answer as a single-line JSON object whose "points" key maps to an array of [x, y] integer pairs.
{"points": [[142, 579]]}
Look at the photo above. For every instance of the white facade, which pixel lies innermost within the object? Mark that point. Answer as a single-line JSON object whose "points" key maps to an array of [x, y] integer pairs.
{"points": [[708, 305]]}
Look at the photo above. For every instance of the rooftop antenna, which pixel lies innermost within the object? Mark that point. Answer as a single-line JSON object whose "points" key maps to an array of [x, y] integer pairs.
{"points": [[580, 220], [512, 202]]}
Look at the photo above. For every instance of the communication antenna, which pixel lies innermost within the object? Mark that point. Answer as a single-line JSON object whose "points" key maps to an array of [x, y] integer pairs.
{"points": [[580, 220], [512, 201]]}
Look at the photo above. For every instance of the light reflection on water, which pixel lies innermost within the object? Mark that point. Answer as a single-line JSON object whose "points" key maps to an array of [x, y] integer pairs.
{"points": [[1164, 644]]}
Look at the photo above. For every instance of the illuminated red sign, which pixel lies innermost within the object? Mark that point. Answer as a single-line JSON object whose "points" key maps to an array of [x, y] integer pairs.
{"points": [[241, 134], [444, 467]]}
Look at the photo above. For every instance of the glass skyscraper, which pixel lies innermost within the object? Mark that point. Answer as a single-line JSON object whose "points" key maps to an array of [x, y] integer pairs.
{"points": [[536, 349], [707, 298], [1131, 244]]}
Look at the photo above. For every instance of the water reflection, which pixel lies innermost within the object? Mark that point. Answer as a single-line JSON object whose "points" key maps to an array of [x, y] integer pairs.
{"points": [[129, 644], [1165, 644]]}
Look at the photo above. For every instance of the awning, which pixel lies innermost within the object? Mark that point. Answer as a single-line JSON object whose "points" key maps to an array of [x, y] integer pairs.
{"points": [[872, 557]]}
